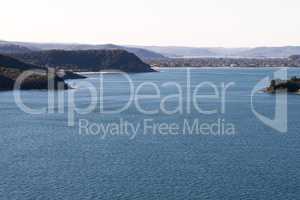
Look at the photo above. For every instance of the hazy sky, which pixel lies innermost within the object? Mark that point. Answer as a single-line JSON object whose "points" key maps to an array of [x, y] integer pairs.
{"points": [[229, 23]]}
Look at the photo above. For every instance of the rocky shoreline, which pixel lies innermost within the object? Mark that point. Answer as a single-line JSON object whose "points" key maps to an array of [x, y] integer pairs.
{"points": [[38, 79]]}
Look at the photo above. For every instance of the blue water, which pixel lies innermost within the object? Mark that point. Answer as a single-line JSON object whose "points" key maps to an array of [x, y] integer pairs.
{"points": [[42, 158]]}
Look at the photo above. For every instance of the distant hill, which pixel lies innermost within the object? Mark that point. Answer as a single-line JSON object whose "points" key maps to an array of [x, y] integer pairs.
{"points": [[271, 52], [228, 52], [87, 60], [158, 52], [144, 54], [141, 53], [259, 52], [12, 48], [181, 51]]}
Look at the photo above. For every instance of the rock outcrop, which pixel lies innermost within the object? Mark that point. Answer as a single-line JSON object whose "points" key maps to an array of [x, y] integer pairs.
{"points": [[291, 85], [11, 69]]}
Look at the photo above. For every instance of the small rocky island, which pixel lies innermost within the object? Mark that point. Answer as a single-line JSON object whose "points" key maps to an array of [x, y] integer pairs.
{"points": [[292, 85]]}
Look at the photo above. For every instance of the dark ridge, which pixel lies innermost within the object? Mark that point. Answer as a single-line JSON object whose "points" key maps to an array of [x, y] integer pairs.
{"points": [[9, 62], [6, 83], [87, 60]]}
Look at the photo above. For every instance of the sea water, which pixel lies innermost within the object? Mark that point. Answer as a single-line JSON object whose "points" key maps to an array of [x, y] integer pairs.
{"points": [[42, 157]]}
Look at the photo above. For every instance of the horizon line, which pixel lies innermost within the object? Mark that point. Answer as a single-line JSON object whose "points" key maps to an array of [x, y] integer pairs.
{"points": [[146, 45]]}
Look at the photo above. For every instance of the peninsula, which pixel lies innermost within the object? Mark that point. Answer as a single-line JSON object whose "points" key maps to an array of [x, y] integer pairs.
{"points": [[11, 69]]}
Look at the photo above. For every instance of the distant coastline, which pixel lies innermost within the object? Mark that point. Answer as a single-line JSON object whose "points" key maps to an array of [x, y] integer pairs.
{"points": [[292, 61]]}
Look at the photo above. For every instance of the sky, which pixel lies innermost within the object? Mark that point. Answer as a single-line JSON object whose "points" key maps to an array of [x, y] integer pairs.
{"points": [[201, 23]]}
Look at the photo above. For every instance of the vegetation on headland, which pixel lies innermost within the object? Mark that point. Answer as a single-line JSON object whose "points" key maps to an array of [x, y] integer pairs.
{"points": [[9, 62], [38, 80], [87, 60], [11, 69], [64, 63]]}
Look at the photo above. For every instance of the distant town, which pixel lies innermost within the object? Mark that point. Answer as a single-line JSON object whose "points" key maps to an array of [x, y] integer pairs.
{"points": [[292, 61]]}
